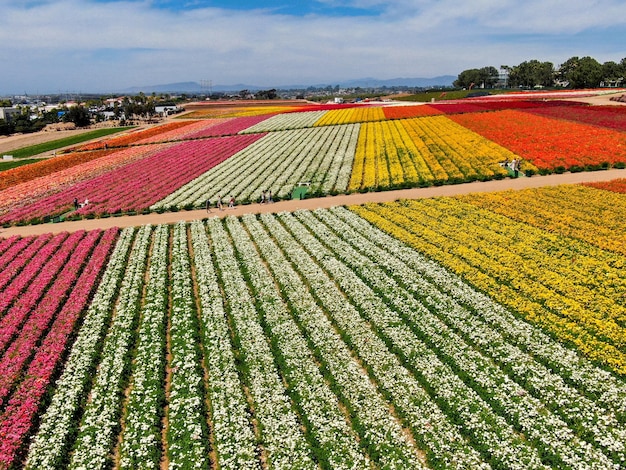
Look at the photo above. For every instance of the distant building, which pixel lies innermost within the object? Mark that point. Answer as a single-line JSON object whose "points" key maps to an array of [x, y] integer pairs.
{"points": [[6, 113]]}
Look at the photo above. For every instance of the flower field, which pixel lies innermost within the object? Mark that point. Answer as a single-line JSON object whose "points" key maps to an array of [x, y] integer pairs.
{"points": [[439, 333], [336, 148], [549, 143]]}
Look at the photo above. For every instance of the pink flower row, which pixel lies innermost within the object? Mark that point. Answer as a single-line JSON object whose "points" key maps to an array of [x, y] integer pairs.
{"points": [[34, 190], [228, 126], [180, 133], [31, 263], [139, 184], [17, 419], [18, 353], [160, 175], [29, 298], [11, 264]]}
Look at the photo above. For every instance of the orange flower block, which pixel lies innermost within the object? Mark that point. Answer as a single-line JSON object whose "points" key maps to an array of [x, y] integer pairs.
{"points": [[548, 143], [616, 186]]}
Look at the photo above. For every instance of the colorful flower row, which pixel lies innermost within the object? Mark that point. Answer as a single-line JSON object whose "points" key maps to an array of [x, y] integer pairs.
{"points": [[19, 255], [611, 117], [180, 132], [280, 429], [410, 111], [286, 121], [362, 113], [187, 433], [20, 331], [137, 135], [514, 267], [46, 167], [423, 151], [30, 264], [547, 143], [277, 162], [53, 440], [574, 211], [141, 434], [616, 186], [156, 175], [27, 400], [31, 192], [234, 439]]}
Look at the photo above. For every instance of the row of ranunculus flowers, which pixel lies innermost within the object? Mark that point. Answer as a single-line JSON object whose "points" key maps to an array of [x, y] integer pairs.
{"points": [[571, 210], [437, 320], [52, 337], [35, 307], [455, 236], [58, 425], [549, 144], [277, 162], [136, 185], [30, 192], [423, 151], [616, 186]]}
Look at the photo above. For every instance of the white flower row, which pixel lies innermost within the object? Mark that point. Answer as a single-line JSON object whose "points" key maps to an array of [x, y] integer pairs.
{"points": [[187, 434], [285, 121], [234, 438], [280, 430], [543, 428], [102, 412], [584, 415], [380, 431], [492, 433], [337, 444], [276, 162], [50, 444], [598, 384], [141, 438]]}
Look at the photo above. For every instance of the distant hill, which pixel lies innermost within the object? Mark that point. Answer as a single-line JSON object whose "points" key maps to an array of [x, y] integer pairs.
{"points": [[194, 87]]}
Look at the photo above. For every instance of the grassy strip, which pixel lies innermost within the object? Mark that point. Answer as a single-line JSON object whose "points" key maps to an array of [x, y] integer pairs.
{"points": [[29, 151]]}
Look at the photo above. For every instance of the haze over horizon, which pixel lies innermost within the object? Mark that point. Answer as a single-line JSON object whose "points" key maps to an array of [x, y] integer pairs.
{"points": [[105, 45]]}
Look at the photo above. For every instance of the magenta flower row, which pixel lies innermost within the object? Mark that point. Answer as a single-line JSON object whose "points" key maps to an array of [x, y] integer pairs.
{"points": [[38, 320], [11, 323], [16, 256], [228, 126], [139, 184], [22, 408], [29, 269]]}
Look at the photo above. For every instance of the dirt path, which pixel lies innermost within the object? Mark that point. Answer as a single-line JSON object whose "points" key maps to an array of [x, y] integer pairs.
{"points": [[315, 203]]}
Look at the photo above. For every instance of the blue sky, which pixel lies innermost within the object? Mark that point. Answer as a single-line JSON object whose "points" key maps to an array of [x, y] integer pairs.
{"points": [[102, 46]]}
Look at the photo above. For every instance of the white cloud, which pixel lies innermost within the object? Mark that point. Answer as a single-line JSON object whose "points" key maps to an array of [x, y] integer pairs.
{"points": [[81, 44]]}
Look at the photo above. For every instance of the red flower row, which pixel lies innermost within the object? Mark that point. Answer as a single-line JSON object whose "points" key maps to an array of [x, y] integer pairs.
{"points": [[616, 186]]}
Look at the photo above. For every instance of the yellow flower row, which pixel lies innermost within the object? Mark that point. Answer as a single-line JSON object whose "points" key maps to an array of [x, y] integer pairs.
{"points": [[565, 209], [351, 115], [423, 150], [521, 267]]}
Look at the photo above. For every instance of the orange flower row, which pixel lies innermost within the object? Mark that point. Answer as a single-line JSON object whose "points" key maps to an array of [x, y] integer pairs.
{"points": [[46, 167], [548, 143], [411, 111], [135, 136], [616, 186]]}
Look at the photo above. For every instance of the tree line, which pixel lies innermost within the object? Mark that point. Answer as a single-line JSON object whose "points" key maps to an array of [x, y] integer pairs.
{"points": [[575, 72]]}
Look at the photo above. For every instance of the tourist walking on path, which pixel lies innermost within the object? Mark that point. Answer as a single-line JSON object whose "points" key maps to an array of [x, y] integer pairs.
{"points": [[219, 202], [208, 205], [231, 203]]}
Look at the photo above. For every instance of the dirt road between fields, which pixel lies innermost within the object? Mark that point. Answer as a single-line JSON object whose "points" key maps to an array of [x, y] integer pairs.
{"points": [[315, 203]]}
